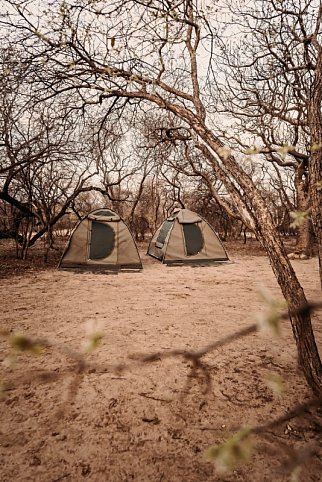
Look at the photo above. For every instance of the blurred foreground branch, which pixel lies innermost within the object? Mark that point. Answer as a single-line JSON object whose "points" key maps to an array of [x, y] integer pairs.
{"points": [[226, 456]]}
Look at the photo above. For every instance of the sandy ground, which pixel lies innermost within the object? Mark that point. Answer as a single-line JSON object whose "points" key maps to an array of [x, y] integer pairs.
{"points": [[153, 422]]}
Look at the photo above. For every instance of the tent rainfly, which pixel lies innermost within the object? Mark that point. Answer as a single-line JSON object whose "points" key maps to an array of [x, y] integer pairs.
{"points": [[185, 237], [101, 241]]}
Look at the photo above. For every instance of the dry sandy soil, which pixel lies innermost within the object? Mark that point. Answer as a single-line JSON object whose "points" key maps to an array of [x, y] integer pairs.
{"points": [[151, 422]]}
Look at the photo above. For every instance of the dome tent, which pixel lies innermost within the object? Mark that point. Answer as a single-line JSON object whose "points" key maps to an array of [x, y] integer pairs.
{"points": [[101, 241], [185, 237]]}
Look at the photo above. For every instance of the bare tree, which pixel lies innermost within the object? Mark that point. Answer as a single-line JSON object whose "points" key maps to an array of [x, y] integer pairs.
{"points": [[269, 83], [50, 154]]}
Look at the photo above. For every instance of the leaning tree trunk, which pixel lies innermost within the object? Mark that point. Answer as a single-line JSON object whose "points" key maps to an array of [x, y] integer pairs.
{"points": [[308, 355], [315, 165], [262, 224]]}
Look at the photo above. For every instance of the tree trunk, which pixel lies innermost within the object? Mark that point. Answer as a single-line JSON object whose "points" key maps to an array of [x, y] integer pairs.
{"points": [[304, 239], [315, 164], [260, 219], [308, 355]]}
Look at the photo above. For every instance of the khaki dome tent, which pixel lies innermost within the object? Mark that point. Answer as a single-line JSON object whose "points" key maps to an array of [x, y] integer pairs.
{"points": [[101, 241], [185, 237]]}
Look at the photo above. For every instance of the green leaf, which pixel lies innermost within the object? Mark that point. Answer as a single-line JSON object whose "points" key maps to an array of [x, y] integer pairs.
{"points": [[93, 334], [40, 35], [224, 152], [236, 450], [299, 217], [319, 185], [269, 319], [316, 147], [24, 343], [276, 383], [252, 150], [93, 342], [284, 150]]}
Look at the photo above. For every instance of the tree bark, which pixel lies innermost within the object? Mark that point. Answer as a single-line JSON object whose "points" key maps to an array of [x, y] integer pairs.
{"points": [[308, 354], [315, 164], [304, 239]]}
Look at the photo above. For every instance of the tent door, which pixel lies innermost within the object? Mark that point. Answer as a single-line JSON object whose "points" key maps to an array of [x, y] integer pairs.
{"points": [[103, 241], [164, 231], [193, 237]]}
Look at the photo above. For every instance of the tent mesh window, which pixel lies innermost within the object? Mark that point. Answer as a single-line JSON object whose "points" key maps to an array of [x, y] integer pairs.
{"points": [[104, 212], [167, 225], [102, 240], [193, 238]]}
